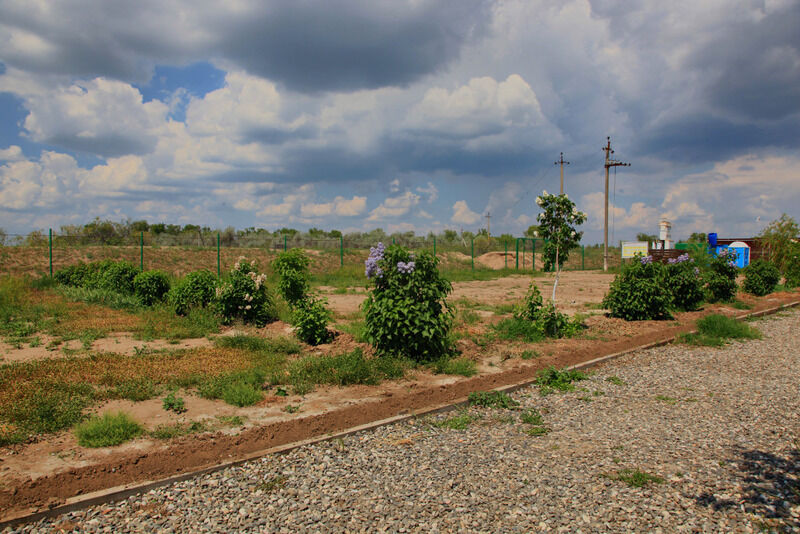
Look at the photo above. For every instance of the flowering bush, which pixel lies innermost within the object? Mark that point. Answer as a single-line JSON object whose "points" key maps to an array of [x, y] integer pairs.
{"points": [[406, 312], [761, 277], [720, 276], [243, 295], [638, 292], [292, 267], [683, 282], [195, 290]]}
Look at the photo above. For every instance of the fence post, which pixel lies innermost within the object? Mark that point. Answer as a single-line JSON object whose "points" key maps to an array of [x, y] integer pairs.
{"points": [[219, 271], [583, 257], [505, 256], [392, 241], [473, 255], [434, 246], [533, 262], [341, 251], [284, 242], [516, 255], [141, 251], [51, 253], [523, 253]]}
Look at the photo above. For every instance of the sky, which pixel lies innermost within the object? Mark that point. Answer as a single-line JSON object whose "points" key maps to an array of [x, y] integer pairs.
{"points": [[408, 115]]}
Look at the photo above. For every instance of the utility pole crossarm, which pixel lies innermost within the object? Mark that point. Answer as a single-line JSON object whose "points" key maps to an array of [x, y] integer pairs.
{"points": [[609, 163], [561, 162]]}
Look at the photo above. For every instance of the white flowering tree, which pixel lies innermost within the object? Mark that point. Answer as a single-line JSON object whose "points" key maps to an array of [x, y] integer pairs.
{"points": [[557, 226]]}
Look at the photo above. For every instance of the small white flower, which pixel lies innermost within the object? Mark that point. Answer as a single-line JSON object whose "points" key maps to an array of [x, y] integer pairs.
{"points": [[544, 193], [535, 234], [247, 307]]}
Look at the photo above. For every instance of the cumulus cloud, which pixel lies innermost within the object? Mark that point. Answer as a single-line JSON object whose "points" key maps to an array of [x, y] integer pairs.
{"points": [[463, 215], [394, 206], [12, 153], [431, 190], [638, 217]]}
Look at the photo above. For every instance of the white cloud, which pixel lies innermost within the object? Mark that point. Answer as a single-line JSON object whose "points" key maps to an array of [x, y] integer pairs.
{"points": [[638, 217], [394, 186], [394, 206], [12, 153], [482, 107], [350, 208], [431, 191], [463, 215]]}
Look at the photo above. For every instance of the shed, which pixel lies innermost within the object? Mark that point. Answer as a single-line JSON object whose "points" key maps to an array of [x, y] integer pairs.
{"points": [[742, 250]]}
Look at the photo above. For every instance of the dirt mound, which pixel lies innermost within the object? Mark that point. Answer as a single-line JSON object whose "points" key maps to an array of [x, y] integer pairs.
{"points": [[500, 260]]}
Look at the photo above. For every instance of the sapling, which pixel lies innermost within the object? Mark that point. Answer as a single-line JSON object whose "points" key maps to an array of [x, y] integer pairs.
{"points": [[557, 226]]}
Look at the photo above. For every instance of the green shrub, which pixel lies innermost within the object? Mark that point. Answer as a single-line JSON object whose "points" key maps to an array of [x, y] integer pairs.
{"points": [[195, 290], [173, 403], [760, 278], [239, 394], [406, 312], [683, 282], [73, 276], [243, 295], [637, 292], [231, 387], [791, 270], [151, 286], [713, 331], [551, 378], [108, 430], [513, 329], [556, 324], [310, 319], [292, 268], [114, 276], [530, 306], [720, 276]]}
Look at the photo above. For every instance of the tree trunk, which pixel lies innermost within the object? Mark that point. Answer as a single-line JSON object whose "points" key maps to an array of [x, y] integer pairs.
{"points": [[555, 284]]}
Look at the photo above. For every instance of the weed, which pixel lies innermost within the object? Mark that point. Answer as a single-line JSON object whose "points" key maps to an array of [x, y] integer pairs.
{"points": [[354, 328], [617, 381], [35, 342], [531, 417], [739, 305], [514, 328], [283, 345], [492, 399], [714, 330], [465, 317], [666, 399], [173, 403], [529, 354], [344, 369], [273, 484], [108, 430], [231, 420], [554, 379], [281, 392], [136, 389], [289, 408], [177, 430], [635, 478], [456, 422], [454, 366], [537, 431], [239, 394], [46, 406], [161, 322]]}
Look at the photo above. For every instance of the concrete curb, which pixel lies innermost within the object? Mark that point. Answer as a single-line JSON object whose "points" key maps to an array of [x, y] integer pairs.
{"points": [[119, 493]]}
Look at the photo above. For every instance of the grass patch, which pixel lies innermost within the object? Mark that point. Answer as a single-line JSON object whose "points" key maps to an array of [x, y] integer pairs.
{"points": [[492, 399], [242, 388], [552, 379], [101, 297], [344, 369], [355, 329], [467, 316], [273, 484], [715, 330], [108, 430], [666, 399], [512, 329], [136, 389], [454, 366], [456, 422], [537, 431], [173, 403], [529, 354], [231, 420], [617, 381], [635, 478], [173, 431], [161, 322], [739, 305], [283, 345], [531, 417]]}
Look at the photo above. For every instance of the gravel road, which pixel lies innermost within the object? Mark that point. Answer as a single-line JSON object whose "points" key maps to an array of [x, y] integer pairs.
{"points": [[713, 434]]}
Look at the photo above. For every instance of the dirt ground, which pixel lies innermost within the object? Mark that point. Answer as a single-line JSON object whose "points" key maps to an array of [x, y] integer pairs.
{"points": [[46, 472]]}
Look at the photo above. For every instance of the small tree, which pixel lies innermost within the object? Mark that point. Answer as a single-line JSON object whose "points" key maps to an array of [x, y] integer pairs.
{"points": [[557, 224], [778, 236]]}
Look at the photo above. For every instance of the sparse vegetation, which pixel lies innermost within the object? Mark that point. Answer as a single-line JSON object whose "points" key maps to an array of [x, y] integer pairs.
{"points": [[635, 478], [107, 430], [715, 330], [492, 399], [552, 379]]}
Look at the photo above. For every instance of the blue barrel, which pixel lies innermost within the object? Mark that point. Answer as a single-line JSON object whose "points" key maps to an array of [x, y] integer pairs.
{"points": [[712, 239]]}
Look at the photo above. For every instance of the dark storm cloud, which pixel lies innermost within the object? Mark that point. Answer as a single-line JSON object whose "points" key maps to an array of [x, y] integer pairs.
{"points": [[755, 66], [347, 45], [108, 145], [307, 46]]}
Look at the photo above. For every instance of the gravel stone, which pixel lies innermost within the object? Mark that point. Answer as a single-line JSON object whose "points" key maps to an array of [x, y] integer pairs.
{"points": [[720, 427]]}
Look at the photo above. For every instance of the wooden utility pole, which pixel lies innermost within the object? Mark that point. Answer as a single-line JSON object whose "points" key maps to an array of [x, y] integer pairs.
{"points": [[562, 163], [609, 163], [489, 225]]}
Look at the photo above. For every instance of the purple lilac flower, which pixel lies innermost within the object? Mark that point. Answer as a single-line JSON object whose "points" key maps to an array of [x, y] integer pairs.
{"points": [[696, 271], [372, 270], [405, 268], [646, 259]]}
